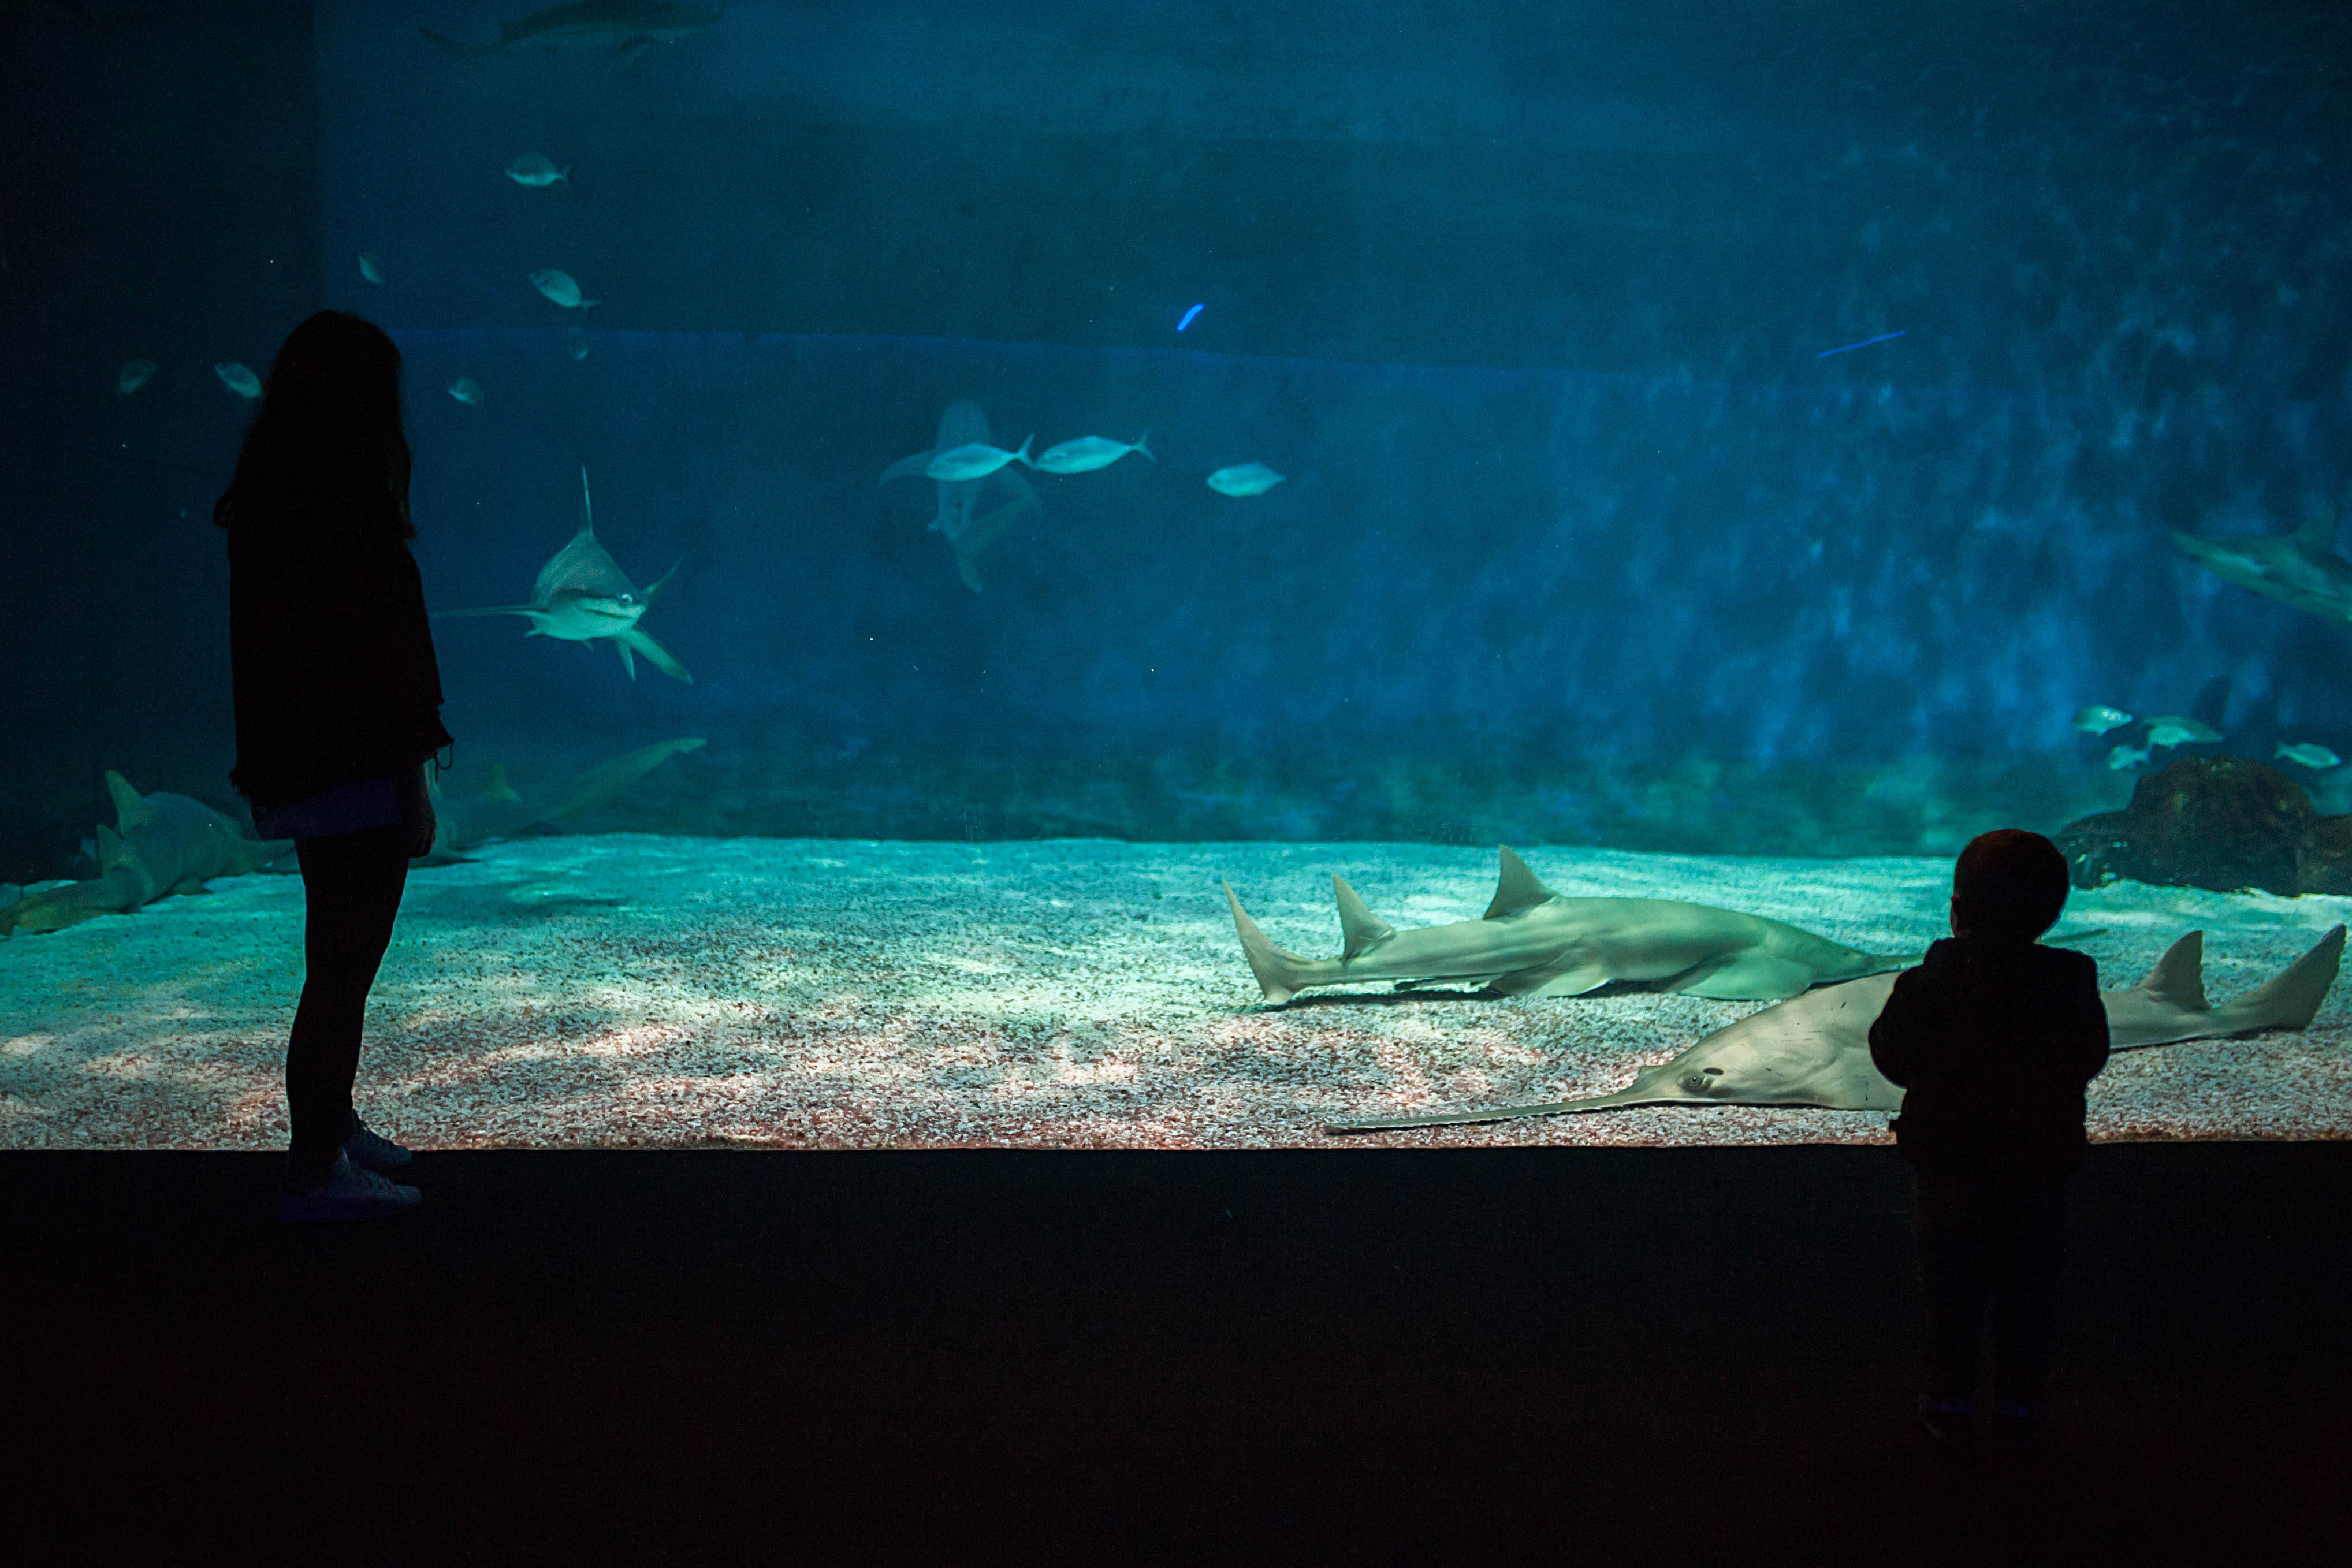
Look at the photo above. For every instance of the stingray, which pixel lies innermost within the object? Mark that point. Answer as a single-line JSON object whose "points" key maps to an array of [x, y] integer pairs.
{"points": [[497, 810], [1814, 1049], [958, 520], [1533, 942], [160, 844], [584, 596]]}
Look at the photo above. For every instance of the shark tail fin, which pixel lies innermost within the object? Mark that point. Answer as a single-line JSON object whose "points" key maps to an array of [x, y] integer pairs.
{"points": [[2178, 977], [2291, 999], [1358, 927], [621, 646], [1516, 888], [1143, 445], [495, 786], [131, 812], [1279, 972], [2319, 532]]}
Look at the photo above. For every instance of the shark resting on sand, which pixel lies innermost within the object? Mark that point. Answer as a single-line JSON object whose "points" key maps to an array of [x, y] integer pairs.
{"points": [[2301, 568], [1814, 1049], [1533, 942], [160, 843], [630, 28], [584, 596], [958, 520]]}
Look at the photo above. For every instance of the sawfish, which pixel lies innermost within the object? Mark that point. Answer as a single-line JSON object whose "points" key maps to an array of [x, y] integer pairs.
{"points": [[1533, 942], [583, 596], [160, 844], [497, 810], [2301, 568], [958, 520], [1814, 1049]]}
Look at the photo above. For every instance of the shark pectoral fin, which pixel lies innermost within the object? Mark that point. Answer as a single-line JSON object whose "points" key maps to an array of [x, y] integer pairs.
{"points": [[2291, 999], [1572, 980], [494, 610], [647, 596], [1361, 930], [1516, 888], [628, 660], [655, 655], [2178, 977], [1753, 977], [132, 812]]}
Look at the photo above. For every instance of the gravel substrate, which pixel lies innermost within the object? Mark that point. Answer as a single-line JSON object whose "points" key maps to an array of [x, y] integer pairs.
{"points": [[636, 992]]}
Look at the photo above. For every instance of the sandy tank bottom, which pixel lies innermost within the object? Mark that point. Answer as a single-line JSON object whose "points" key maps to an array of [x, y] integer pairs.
{"points": [[652, 992]]}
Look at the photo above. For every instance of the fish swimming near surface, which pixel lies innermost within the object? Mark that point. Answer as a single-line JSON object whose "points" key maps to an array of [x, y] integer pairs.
{"points": [[135, 374], [975, 460], [2177, 729], [498, 812], [2301, 568], [583, 596], [1088, 452], [2310, 753], [1814, 1049], [370, 268], [160, 844], [1245, 479], [237, 378], [1532, 942], [958, 520], [575, 342], [537, 170], [560, 287], [468, 390], [2122, 757], [629, 27], [2098, 720]]}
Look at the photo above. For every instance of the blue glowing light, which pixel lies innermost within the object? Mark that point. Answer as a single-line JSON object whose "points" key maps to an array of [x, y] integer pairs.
{"points": [[1188, 316], [1866, 342]]}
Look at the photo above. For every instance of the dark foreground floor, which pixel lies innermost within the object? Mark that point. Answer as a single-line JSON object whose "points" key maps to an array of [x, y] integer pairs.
{"points": [[1575, 1355]]}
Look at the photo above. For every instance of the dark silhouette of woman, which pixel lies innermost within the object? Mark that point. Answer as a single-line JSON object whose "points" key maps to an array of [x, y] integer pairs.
{"points": [[338, 710]]}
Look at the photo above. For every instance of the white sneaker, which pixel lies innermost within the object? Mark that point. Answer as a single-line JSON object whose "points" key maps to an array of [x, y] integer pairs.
{"points": [[348, 1193]]}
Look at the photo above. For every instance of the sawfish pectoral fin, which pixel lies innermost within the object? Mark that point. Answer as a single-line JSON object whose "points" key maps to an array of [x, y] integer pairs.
{"points": [[1573, 980], [1750, 977]]}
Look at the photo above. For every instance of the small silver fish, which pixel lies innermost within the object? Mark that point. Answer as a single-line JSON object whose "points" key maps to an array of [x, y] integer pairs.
{"points": [[468, 390], [536, 170], [370, 268], [975, 460], [575, 342], [2174, 729], [1245, 479], [559, 287], [2123, 757], [135, 374], [237, 378], [1088, 452], [2311, 754], [2098, 720]]}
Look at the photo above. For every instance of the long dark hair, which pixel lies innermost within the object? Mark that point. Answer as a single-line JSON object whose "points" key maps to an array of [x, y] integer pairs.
{"points": [[328, 450]]}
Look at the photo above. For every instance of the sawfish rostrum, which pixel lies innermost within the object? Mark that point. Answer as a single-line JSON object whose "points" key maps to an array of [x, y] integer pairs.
{"points": [[1814, 1049], [959, 520], [1533, 942], [584, 596]]}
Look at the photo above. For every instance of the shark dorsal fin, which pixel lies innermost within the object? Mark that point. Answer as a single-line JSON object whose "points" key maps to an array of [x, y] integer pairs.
{"points": [[2178, 977], [1517, 888], [1362, 929], [110, 849], [495, 786], [2319, 533], [587, 509], [130, 813]]}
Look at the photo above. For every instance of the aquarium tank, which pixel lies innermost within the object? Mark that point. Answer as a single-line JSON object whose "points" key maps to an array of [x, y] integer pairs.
{"points": [[1052, 485]]}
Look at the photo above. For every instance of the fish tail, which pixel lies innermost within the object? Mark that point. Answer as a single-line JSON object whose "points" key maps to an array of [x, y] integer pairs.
{"points": [[1023, 455], [1280, 973], [1143, 445], [2291, 999]]}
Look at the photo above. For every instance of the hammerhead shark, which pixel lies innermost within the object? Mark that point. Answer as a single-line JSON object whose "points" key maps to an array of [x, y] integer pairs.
{"points": [[1814, 1049], [2301, 568], [498, 812], [583, 596], [1533, 942], [160, 844], [963, 425], [631, 26]]}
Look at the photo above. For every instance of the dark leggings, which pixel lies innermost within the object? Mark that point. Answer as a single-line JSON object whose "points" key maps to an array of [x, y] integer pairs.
{"points": [[1989, 1242], [352, 884]]}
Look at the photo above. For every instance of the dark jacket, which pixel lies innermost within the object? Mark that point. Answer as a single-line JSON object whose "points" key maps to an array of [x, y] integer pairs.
{"points": [[1992, 1042], [332, 656]]}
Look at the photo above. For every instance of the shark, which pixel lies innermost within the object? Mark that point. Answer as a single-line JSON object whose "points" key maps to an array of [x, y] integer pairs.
{"points": [[629, 27], [1533, 942], [583, 596], [1814, 1049], [2301, 568], [160, 844], [959, 520], [497, 810]]}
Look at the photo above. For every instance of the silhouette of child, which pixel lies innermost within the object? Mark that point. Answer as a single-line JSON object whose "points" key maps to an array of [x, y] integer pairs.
{"points": [[1992, 1038], [338, 709]]}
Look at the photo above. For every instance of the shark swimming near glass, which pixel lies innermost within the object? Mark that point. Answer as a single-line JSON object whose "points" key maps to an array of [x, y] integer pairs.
{"points": [[583, 596], [497, 810], [160, 844], [1814, 1049], [1533, 942], [2301, 568], [959, 520]]}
